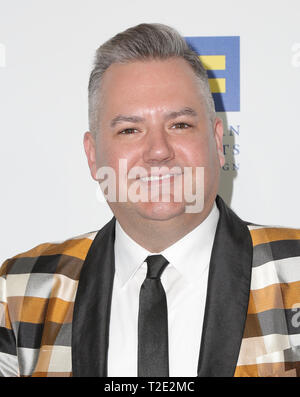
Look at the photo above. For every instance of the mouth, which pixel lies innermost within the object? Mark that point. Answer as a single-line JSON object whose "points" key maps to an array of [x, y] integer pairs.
{"points": [[159, 178]]}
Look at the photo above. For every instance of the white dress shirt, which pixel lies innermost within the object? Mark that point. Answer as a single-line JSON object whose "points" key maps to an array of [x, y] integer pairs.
{"points": [[185, 284]]}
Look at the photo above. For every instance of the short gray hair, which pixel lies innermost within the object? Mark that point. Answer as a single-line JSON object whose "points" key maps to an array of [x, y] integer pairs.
{"points": [[140, 43]]}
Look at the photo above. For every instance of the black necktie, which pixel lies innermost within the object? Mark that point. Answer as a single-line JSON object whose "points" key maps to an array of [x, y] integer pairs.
{"points": [[153, 352]]}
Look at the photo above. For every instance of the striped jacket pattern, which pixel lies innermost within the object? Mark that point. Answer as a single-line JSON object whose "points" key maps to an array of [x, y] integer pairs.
{"points": [[271, 340], [39, 290]]}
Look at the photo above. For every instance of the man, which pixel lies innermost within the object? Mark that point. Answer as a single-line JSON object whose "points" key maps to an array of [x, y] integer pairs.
{"points": [[167, 287]]}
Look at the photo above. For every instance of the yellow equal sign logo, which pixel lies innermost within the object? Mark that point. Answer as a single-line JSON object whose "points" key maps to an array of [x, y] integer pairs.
{"points": [[215, 62], [220, 56]]}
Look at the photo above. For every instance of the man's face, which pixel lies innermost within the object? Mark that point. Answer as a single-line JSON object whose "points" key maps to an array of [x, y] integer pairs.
{"points": [[152, 114]]}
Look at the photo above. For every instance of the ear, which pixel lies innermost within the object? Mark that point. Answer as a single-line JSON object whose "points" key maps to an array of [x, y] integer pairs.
{"points": [[90, 151], [218, 132]]}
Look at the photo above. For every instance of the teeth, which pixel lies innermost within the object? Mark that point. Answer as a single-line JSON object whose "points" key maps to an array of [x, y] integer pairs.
{"points": [[156, 177]]}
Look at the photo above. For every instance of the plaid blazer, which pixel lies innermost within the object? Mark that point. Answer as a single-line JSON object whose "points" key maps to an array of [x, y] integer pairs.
{"points": [[55, 304]]}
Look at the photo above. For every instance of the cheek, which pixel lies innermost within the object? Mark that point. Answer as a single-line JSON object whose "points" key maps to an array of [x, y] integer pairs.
{"points": [[106, 150], [110, 153], [196, 152]]}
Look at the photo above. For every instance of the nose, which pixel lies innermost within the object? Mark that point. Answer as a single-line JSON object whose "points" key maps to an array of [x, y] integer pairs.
{"points": [[158, 149]]}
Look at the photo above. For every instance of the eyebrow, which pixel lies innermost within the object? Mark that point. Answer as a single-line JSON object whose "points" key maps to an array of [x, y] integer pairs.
{"points": [[187, 111], [120, 118], [183, 112]]}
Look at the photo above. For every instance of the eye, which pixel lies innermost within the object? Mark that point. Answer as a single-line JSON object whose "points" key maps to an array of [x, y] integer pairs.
{"points": [[128, 131], [181, 125]]}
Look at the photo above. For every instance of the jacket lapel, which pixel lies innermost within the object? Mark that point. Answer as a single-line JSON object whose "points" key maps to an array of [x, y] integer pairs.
{"points": [[227, 296], [90, 327]]}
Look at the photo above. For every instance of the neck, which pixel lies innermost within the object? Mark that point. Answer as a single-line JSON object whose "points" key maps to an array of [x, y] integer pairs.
{"points": [[155, 236]]}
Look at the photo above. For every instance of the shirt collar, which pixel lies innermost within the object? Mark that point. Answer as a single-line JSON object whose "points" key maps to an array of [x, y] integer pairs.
{"points": [[129, 255], [190, 255]]}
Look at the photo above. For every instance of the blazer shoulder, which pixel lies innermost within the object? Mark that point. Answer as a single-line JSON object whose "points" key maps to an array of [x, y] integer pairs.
{"points": [[263, 234], [278, 247], [49, 255]]}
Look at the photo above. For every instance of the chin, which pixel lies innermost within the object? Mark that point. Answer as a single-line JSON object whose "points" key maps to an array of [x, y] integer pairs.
{"points": [[161, 211]]}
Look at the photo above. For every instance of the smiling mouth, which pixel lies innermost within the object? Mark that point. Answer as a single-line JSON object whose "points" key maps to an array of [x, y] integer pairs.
{"points": [[158, 178]]}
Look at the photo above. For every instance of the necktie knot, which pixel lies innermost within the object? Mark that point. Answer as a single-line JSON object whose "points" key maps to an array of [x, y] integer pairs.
{"points": [[156, 265]]}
